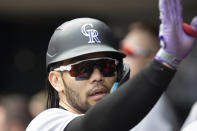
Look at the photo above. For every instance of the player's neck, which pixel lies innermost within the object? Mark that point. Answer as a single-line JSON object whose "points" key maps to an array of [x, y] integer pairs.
{"points": [[66, 106]]}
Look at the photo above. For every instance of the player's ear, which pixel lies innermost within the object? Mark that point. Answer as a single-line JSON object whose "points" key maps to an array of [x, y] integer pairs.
{"points": [[55, 80]]}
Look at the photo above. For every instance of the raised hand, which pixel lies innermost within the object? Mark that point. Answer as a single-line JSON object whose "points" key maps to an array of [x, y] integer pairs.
{"points": [[176, 44]]}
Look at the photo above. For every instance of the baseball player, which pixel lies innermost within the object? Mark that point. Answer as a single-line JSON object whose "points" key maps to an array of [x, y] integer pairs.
{"points": [[85, 69]]}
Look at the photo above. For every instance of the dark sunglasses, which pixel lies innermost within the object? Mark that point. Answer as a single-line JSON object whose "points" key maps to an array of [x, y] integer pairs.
{"points": [[83, 69]]}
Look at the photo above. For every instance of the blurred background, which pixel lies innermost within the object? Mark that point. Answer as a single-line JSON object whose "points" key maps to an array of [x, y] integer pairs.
{"points": [[27, 25]]}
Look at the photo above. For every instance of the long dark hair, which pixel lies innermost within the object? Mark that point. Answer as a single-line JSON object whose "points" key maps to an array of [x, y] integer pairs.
{"points": [[52, 98]]}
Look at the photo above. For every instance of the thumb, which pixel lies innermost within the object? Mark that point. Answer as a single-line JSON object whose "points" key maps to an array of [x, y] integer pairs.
{"points": [[192, 28], [194, 23]]}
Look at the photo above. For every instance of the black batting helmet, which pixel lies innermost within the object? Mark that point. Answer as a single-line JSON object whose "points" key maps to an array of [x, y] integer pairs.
{"points": [[79, 37]]}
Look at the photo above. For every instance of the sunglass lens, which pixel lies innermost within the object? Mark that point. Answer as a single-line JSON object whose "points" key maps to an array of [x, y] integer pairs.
{"points": [[83, 70], [108, 68]]}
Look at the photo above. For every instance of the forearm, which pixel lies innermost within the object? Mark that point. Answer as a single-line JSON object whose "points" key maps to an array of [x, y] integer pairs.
{"points": [[124, 108]]}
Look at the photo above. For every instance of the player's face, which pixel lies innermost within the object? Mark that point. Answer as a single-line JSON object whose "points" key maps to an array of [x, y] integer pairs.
{"points": [[84, 93]]}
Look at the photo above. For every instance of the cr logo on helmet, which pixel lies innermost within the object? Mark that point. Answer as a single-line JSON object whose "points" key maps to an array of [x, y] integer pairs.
{"points": [[91, 33]]}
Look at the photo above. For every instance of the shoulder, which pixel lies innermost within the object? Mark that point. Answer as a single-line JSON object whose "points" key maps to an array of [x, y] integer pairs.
{"points": [[193, 112], [192, 117], [191, 127], [194, 107], [51, 119]]}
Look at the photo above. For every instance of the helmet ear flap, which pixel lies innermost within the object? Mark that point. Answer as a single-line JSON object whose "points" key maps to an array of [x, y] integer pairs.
{"points": [[123, 73]]}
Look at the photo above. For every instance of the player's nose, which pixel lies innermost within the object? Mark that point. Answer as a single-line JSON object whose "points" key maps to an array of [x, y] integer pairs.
{"points": [[96, 75]]}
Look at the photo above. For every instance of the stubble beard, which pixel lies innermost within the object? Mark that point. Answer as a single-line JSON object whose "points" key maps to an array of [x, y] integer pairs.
{"points": [[73, 98], [75, 101]]}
